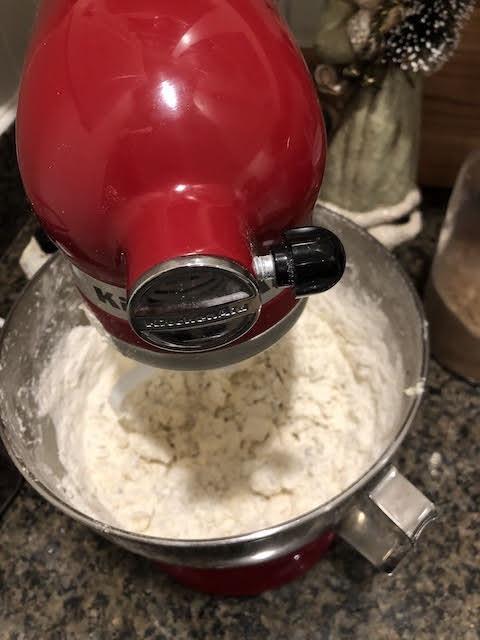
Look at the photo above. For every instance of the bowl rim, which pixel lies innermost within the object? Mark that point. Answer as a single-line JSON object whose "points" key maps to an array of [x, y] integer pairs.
{"points": [[253, 536]]}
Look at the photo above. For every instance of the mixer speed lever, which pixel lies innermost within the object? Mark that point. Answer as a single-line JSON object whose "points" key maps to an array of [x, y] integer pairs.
{"points": [[309, 259]]}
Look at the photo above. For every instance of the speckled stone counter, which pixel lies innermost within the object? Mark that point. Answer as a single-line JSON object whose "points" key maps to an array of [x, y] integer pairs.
{"points": [[58, 580]]}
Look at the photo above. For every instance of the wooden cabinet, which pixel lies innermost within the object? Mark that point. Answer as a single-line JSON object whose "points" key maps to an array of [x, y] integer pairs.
{"points": [[451, 111]]}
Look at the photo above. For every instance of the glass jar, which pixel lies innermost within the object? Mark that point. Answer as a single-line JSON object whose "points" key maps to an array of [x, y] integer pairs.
{"points": [[453, 292]]}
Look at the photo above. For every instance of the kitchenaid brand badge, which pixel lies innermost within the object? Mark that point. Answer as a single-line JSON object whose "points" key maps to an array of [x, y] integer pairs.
{"points": [[110, 299], [106, 296], [225, 313]]}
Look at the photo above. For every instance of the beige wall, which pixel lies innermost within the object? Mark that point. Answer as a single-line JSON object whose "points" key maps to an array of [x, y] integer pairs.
{"points": [[303, 17], [16, 18]]}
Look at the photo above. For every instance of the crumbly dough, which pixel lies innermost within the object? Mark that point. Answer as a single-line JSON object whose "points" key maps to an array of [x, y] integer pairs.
{"points": [[210, 454]]}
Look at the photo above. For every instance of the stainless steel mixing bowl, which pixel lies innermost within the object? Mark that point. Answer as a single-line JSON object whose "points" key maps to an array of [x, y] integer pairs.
{"points": [[381, 514]]}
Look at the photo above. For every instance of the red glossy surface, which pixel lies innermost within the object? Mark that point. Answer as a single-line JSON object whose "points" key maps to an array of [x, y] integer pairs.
{"points": [[253, 580], [152, 129], [148, 130]]}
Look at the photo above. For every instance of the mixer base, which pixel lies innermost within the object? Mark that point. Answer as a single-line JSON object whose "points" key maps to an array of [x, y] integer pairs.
{"points": [[255, 579]]}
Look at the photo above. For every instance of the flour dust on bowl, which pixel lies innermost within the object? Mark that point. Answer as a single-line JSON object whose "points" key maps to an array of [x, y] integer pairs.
{"points": [[234, 480]]}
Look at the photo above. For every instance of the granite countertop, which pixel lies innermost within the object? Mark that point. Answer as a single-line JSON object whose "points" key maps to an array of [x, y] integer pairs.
{"points": [[58, 580]]}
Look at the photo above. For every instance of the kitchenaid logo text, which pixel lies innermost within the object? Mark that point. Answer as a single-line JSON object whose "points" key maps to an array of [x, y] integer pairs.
{"points": [[113, 300], [223, 314], [109, 298]]}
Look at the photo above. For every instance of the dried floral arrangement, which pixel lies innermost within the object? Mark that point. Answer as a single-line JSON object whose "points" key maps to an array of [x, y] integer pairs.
{"points": [[368, 63]]}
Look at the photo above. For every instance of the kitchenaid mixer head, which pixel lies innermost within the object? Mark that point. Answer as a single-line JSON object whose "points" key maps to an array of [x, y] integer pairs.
{"points": [[174, 155]]}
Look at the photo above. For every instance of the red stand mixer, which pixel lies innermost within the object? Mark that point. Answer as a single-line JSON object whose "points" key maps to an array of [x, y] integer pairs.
{"points": [[173, 151]]}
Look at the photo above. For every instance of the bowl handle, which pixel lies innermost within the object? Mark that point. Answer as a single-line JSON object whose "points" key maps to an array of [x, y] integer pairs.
{"points": [[385, 524]]}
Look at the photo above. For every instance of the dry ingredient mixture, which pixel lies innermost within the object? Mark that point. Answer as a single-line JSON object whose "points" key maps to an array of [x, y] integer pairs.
{"points": [[224, 452]]}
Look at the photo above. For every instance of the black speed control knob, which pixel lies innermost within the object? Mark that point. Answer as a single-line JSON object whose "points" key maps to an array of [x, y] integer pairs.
{"points": [[310, 260]]}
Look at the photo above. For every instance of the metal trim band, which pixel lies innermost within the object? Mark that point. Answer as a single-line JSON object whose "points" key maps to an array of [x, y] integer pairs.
{"points": [[219, 357], [114, 300], [107, 297]]}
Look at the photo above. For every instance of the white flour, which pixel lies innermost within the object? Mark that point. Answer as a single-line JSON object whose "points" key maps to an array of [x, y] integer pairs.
{"points": [[218, 453]]}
